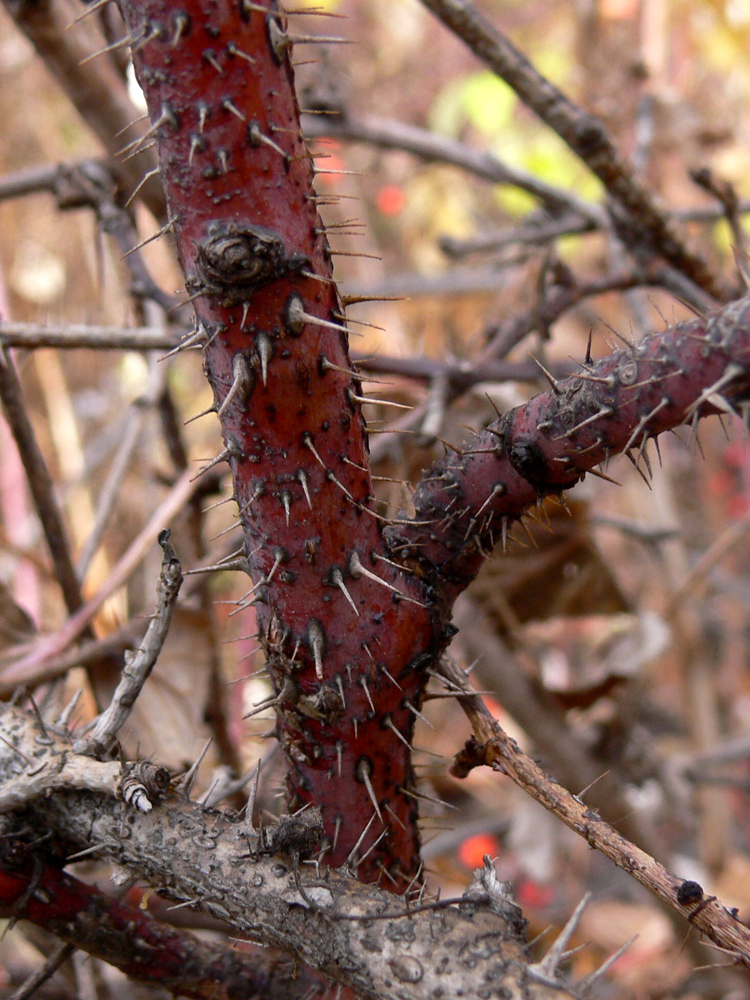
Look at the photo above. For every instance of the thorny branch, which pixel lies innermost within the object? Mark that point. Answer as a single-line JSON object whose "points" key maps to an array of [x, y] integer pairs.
{"points": [[130, 939], [40, 482], [355, 934], [494, 748], [584, 133]]}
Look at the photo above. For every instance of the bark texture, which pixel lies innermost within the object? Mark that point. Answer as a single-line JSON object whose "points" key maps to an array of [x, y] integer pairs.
{"points": [[344, 631], [356, 935]]}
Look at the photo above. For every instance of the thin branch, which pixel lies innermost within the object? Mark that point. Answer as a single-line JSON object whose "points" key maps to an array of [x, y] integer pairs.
{"points": [[583, 132], [128, 442], [69, 336], [52, 646], [138, 665], [61, 953], [614, 404], [434, 148], [534, 231], [494, 748], [96, 88], [40, 482]]}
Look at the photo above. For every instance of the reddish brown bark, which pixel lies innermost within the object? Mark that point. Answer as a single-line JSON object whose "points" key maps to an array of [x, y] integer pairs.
{"points": [[128, 938], [615, 404], [239, 188]]}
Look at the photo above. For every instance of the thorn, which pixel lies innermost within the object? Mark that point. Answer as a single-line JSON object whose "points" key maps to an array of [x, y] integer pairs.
{"points": [[357, 569], [242, 380], [286, 503], [548, 965], [71, 706], [39, 719], [373, 845], [150, 239], [181, 22], [588, 358], [261, 706], [234, 51], [362, 835], [418, 713], [340, 686], [297, 317], [352, 300], [548, 375], [307, 442], [303, 479], [330, 476], [139, 185], [256, 137], [584, 985], [498, 490], [90, 9], [167, 117], [128, 40], [427, 798], [361, 322], [339, 748], [336, 831], [353, 397], [231, 451], [605, 411], [327, 365], [229, 105], [194, 339], [317, 277], [186, 781], [280, 556], [604, 476], [250, 808], [388, 723], [338, 578], [363, 772], [316, 641], [504, 529], [643, 423], [363, 682], [210, 56], [391, 678], [265, 353]]}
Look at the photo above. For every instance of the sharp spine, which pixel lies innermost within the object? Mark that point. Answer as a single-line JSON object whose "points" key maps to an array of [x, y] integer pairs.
{"points": [[363, 683], [241, 382], [316, 641], [364, 770], [303, 479], [338, 578], [297, 318], [361, 837], [265, 352], [357, 569]]}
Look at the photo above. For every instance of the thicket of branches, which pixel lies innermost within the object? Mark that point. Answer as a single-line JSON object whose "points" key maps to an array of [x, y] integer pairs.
{"points": [[322, 614]]}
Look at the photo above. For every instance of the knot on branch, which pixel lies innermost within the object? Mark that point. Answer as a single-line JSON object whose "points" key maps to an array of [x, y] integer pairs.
{"points": [[234, 260], [142, 784]]}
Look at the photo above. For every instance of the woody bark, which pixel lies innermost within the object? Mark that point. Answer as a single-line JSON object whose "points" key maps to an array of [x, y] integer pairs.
{"points": [[342, 629], [350, 616]]}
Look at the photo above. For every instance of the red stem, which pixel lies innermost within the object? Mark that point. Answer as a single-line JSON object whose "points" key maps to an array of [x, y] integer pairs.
{"points": [[128, 938], [614, 404], [239, 185]]}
